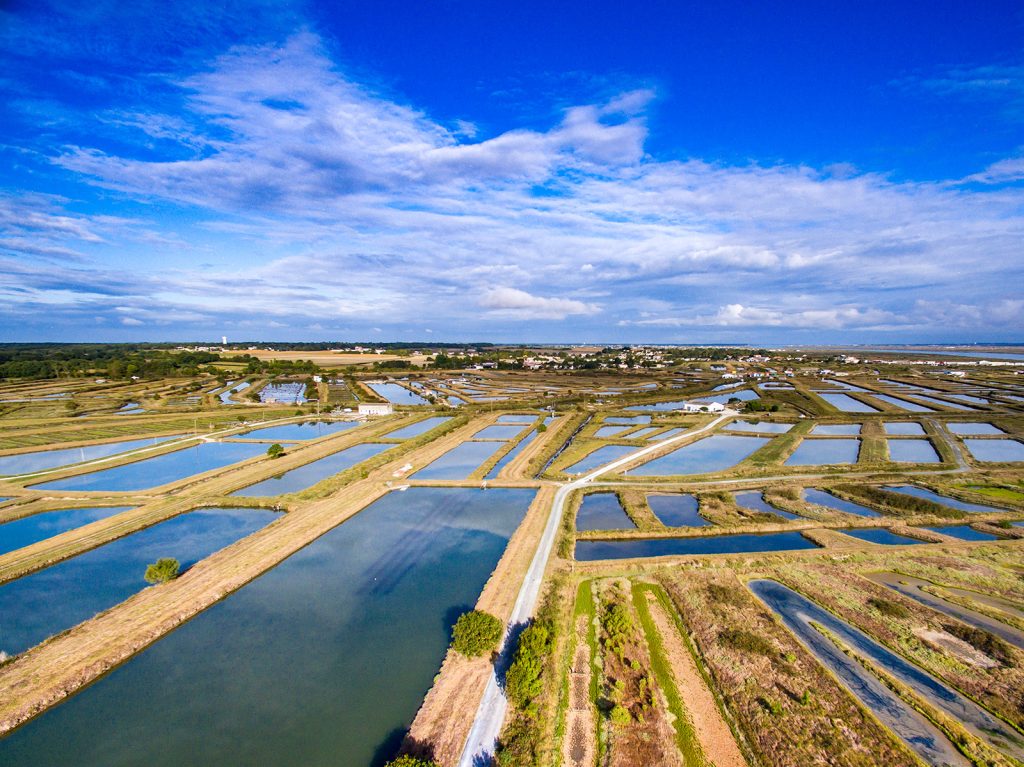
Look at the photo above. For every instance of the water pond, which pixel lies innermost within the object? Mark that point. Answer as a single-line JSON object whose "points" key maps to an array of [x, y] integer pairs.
{"points": [[912, 451], [904, 429], [506, 459], [995, 450], [19, 533], [964, 533], [397, 394], [879, 535], [903, 404], [743, 395], [846, 403], [49, 601], [836, 430], [945, 500], [418, 428], [975, 429], [823, 498], [799, 614], [459, 462], [635, 420], [643, 433], [299, 431], [677, 510], [225, 396], [153, 472], [26, 463], [667, 434], [599, 457], [657, 406], [759, 427], [605, 432], [500, 431], [714, 453], [306, 476], [587, 551], [523, 418], [943, 403], [754, 500], [290, 669], [602, 511], [824, 452]]}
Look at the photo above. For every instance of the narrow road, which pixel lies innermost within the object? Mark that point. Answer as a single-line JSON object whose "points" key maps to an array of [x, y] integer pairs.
{"points": [[490, 715]]}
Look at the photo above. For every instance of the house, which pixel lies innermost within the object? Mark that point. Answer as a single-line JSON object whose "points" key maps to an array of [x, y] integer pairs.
{"points": [[376, 408]]}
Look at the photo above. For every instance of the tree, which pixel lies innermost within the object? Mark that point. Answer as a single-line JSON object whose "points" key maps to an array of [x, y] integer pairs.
{"points": [[275, 450], [163, 570], [475, 633]]}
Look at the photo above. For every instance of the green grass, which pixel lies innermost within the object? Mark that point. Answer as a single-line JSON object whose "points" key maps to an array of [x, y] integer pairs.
{"points": [[686, 737]]}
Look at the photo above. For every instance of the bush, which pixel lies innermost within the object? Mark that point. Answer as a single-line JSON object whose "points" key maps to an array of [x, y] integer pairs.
{"points": [[163, 570], [275, 451], [983, 641], [741, 639], [523, 680], [476, 633], [620, 715], [411, 761], [889, 608]]}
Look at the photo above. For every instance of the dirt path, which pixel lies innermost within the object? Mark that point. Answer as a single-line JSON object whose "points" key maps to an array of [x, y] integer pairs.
{"points": [[580, 725], [716, 739]]}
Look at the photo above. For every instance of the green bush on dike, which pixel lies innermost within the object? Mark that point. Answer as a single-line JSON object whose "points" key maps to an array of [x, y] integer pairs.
{"points": [[523, 680], [163, 570], [889, 608], [740, 639], [476, 633], [275, 451], [411, 761]]}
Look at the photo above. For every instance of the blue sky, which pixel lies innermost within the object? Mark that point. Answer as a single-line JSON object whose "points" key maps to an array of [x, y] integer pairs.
{"points": [[678, 172]]}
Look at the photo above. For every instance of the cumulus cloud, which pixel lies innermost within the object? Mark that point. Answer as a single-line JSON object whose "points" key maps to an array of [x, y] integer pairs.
{"points": [[512, 302]]}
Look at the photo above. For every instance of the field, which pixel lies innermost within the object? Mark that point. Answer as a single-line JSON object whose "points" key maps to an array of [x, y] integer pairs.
{"points": [[657, 585]]}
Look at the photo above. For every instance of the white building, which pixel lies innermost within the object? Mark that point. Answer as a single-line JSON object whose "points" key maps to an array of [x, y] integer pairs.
{"points": [[375, 408]]}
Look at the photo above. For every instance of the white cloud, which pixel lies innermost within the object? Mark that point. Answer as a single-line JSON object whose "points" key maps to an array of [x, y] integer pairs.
{"points": [[512, 302]]}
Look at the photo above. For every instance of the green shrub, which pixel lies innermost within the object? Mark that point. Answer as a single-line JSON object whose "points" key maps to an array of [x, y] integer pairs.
{"points": [[741, 639], [983, 641], [476, 633], [620, 715], [523, 680], [275, 451], [889, 608], [411, 761], [163, 570]]}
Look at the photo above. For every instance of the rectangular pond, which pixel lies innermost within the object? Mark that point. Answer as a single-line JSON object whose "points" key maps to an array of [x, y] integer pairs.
{"points": [[602, 511], [600, 457], [904, 429], [321, 661], [879, 535], [836, 430], [19, 533], [500, 431], [759, 427], [824, 452], [912, 451], [846, 403], [743, 395], [943, 403], [418, 428], [459, 462], [27, 463], [823, 498], [58, 597], [677, 510], [995, 450], [754, 500], [964, 533], [292, 432], [523, 418], [604, 432], [306, 476], [974, 429], [643, 433], [588, 551], [944, 500], [903, 404], [153, 472], [667, 434], [714, 453], [635, 420], [397, 394]]}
